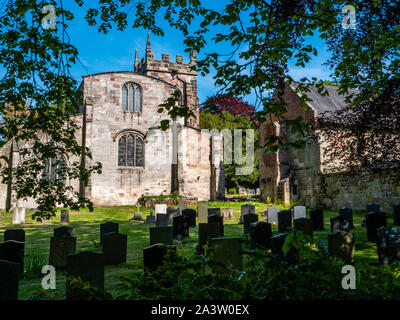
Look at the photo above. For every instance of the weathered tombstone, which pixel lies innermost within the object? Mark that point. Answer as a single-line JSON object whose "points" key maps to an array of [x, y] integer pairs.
{"points": [[347, 213], [161, 208], [180, 227], [191, 215], [248, 219], [299, 212], [208, 231], [153, 256], [339, 223], [227, 213], [272, 214], [305, 225], [226, 252], [341, 245], [215, 218], [60, 248], [396, 214], [13, 251], [161, 220], [9, 279], [202, 211], [374, 221], [213, 211], [64, 216], [171, 213], [161, 235], [14, 234], [388, 245], [317, 219], [182, 207], [18, 215], [284, 220], [260, 234], [114, 248], [138, 216], [108, 227], [63, 232], [246, 209], [150, 219], [89, 267], [373, 207]]}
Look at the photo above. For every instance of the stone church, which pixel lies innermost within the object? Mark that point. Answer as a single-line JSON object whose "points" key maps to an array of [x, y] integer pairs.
{"points": [[119, 123], [294, 175]]}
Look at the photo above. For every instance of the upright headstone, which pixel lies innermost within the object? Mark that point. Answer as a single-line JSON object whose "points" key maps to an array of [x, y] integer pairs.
{"points": [[396, 214], [162, 235], [246, 209], [137, 216], [14, 234], [339, 223], [180, 227], [272, 214], [284, 220], [347, 213], [317, 219], [108, 227], [304, 225], [161, 208], [13, 251], [374, 221], [213, 211], [260, 234], [341, 245], [171, 213], [64, 216], [248, 219], [208, 231], [202, 211], [161, 220], [89, 267], [215, 218], [191, 216], [388, 245], [373, 207], [63, 232], [9, 279], [299, 212], [18, 215], [150, 219], [60, 248], [114, 248], [227, 213], [227, 252], [153, 256], [277, 243]]}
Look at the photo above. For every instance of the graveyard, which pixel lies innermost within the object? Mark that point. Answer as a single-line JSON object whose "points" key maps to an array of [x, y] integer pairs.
{"points": [[136, 236]]}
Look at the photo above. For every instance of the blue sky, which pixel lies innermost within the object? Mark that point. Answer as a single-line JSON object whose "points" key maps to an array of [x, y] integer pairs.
{"points": [[115, 51]]}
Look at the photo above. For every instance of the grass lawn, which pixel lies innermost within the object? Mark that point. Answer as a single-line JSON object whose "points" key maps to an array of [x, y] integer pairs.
{"points": [[87, 230]]}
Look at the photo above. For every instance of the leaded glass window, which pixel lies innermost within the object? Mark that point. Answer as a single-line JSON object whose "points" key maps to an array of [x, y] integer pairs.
{"points": [[131, 97], [130, 150]]}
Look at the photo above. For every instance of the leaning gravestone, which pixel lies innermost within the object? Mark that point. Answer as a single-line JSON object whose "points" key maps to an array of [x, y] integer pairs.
{"points": [[13, 251], [388, 245], [304, 225], [161, 220], [260, 234], [373, 207], [299, 212], [63, 232], [272, 214], [89, 267], [9, 279], [171, 213], [208, 231], [162, 235], [64, 216], [213, 211], [284, 220], [246, 209], [227, 213], [347, 213], [191, 216], [226, 252], [215, 218], [114, 248], [374, 221], [60, 248], [202, 210], [161, 208], [14, 234], [317, 219], [396, 214], [248, 219], [341, 245], [108, 227], [153, 256], [180, 227], [339, 223]]}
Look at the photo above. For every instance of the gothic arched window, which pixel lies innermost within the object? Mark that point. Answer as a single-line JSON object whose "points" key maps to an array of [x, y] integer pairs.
{"points": [[130, 150], [54, 170], [131, 97]]}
